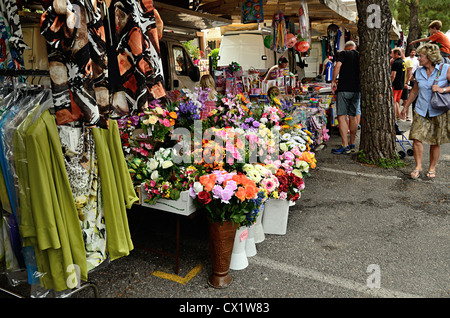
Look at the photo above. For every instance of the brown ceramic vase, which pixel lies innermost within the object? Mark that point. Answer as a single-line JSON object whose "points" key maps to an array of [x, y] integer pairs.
{"points": [[221, 241]]}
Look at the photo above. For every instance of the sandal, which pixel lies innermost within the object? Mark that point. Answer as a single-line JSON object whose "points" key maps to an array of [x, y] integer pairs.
{"points": [[431, 174], [415, 174]]}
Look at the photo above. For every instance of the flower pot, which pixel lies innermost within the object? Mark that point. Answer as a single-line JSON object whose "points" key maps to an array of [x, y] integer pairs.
{"points": [[258, 228], [239, 256], [250, 246], [275, 217], [221, 241]]}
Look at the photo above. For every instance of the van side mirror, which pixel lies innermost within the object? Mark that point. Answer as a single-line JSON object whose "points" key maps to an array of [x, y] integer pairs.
{"points": [[194, 74]]}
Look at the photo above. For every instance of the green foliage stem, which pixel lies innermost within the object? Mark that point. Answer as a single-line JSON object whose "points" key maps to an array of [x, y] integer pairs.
{"points": [[385, 163]]}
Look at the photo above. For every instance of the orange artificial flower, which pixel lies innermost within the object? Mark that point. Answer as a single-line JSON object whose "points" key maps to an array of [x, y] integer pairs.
{"points": [[280, 172], [238, 178], [208, 181], [241, 194], [307, 157], [173, 115], [251, 191]]}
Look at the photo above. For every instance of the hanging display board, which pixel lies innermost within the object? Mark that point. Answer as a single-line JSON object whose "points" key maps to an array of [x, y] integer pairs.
{"points": [[252, 11]]}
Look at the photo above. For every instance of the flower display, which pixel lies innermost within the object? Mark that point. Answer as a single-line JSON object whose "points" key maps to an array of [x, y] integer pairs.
{"points": [[158, 121], [159, 186], [249, 152], [290, 186], [227, 196]]}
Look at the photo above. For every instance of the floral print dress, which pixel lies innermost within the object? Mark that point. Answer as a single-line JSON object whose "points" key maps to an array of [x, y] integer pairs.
{"points": [[134, 55], [82, 169], [77, 61]]}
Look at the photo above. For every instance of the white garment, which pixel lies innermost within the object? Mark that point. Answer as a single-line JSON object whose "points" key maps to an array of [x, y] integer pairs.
{"points": [[415, 61]]}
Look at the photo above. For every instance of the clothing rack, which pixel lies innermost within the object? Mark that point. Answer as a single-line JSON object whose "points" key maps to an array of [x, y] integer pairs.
{"points": [[84, 285], [23, 72]]}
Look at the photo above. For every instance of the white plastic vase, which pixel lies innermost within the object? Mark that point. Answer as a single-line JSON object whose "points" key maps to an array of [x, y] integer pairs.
{"points": [[239, 256], [250, 246], [275, 216], [258, 231]]}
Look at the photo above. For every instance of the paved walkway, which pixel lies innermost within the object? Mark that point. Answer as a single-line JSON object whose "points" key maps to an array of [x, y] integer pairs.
{"points": [[357, 232]]}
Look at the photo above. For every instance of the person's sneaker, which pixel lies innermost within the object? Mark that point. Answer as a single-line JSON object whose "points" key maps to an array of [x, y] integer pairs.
{"points": [[352, 148], [341, 151]]}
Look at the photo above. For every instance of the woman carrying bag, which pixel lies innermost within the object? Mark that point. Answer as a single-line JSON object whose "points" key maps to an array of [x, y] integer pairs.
{"points": [[430, 125]]}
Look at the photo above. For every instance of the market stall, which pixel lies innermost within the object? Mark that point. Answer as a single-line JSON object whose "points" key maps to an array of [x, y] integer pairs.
{"points": [[105, 134]]}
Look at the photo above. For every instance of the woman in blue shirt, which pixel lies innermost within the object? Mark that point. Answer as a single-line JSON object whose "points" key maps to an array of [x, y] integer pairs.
{"points": [[429, 126]]}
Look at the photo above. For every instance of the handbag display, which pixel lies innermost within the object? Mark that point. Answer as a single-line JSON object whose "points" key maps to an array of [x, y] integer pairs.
{"points": [[440, 101]]}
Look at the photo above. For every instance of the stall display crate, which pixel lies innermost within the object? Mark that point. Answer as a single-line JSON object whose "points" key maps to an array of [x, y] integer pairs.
{"points": [[183, 206]]}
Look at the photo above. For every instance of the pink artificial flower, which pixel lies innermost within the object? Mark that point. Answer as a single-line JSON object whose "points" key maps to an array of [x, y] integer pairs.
{"points": [[166, 122]]}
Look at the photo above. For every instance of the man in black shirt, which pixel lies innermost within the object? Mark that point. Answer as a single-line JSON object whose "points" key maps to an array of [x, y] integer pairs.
{"points": [[348, 95], [398, 70]]}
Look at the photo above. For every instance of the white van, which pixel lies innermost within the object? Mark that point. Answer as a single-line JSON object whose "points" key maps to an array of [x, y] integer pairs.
{"points": [[179, 69], [247, 49]]}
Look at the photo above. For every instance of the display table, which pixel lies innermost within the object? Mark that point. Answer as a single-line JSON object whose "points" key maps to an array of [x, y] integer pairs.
{"points": [[183, 207]]}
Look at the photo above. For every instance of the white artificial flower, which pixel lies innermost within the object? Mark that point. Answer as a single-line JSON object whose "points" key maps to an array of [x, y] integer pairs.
{"points": [[198, 187], [286, 137], [167, 164], [254, 175], [248, 167], [152, 164], [262, 170], [154, 175], [298, 173]]}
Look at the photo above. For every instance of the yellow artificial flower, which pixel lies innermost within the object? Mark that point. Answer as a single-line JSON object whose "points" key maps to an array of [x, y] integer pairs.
{"points": [[153, 120]]}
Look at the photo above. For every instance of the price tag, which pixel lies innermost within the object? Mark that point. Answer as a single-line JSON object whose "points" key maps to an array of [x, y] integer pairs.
{"points": [[244, 235]]}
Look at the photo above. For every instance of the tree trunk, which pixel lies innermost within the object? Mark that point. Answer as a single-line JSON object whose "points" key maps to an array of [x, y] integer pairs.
{"points": [[377, 103], [414, 27]]}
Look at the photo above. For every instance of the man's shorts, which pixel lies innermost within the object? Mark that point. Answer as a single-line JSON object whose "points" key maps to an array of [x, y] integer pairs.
{"points": [[405, 94], [348, 103], [398, 95]]}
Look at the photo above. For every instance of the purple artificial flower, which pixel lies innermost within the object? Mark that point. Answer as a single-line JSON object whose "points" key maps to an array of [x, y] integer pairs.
{"points": [[217, 191], [226, 195]]}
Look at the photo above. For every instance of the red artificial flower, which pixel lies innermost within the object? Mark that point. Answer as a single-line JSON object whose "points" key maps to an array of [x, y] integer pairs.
{"points": [[204, 197]]}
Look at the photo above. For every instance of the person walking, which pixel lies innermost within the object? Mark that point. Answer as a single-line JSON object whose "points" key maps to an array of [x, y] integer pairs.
{"points": [[348, 95], [408, 75], [429, 125], [415, 61], [398, 70]]}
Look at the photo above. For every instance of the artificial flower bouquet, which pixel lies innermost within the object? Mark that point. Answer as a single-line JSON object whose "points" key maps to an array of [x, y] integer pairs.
{"points": [[290, 186], [226, 196], [221, 149], [157, 121], [165, 178], [132, 137], [264, 177]]}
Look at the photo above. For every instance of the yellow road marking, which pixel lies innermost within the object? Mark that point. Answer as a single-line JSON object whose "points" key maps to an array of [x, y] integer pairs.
{"points": [[182, 280]]}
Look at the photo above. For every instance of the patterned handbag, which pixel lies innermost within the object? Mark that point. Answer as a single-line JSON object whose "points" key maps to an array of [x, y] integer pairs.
{"points": [[440, 101]]}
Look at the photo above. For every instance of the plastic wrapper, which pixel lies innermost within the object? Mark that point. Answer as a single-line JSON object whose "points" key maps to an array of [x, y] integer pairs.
{"points": [[19, 254], [303, 16]]}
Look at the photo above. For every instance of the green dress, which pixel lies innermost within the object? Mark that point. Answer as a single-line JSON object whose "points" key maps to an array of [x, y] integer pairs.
{"points": [[49, 217]]}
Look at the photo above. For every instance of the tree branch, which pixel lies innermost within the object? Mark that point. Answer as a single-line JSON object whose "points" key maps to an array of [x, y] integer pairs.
{"points": [[406, 2]]}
